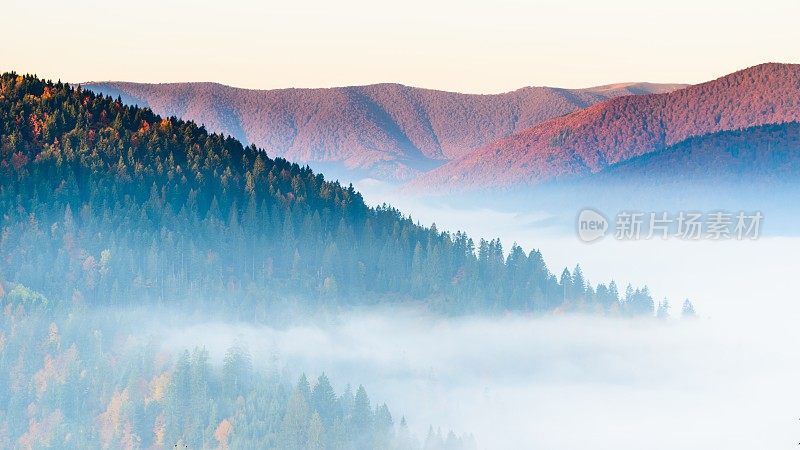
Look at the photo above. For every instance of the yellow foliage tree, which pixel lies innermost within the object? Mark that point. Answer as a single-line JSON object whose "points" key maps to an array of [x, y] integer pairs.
{"points": [[158, 387], [222, 433], [159, 430], [110, 419]]}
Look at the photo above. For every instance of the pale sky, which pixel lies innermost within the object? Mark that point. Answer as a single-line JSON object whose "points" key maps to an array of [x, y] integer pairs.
{"points": [[467, 46]]}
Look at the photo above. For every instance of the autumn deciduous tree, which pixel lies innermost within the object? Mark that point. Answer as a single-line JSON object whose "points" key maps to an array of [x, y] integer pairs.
{"points": [[222, 433]]}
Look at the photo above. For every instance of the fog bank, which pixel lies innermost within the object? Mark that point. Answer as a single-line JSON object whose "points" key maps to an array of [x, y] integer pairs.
{"points": [[726, 380], [556, 383]]}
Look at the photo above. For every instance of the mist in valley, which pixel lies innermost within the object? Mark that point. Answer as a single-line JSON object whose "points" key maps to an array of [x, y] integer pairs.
{"points": [[554, 382], [724, 380]]}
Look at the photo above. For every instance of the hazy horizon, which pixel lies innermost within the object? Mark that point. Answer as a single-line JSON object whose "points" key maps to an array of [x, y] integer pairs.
{"points": [[378, 83], [470, 48]]}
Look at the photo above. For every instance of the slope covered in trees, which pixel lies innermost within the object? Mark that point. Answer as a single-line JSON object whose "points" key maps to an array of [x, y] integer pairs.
{"points": [[589, 140], [79, 379], [763, 154], [754, 168], [106, 203], [387, 130]]}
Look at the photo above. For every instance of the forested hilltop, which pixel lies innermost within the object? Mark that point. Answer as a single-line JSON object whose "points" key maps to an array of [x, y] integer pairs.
{"points": [[104, 203]]}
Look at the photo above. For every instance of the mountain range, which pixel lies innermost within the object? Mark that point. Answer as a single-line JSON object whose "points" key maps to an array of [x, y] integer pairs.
{"points": [[600, 136], [443, 142], [388, 131]]}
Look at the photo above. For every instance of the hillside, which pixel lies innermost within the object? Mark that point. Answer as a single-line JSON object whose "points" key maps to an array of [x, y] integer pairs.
{"points": [[124, 206], [388, 131], [589, 140], [766, 154]]}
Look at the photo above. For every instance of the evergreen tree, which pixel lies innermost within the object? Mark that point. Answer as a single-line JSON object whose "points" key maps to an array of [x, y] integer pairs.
{"points": [[237, 370], [316, 433], [362, 420], [294, 430], [663, 309], [687, 311], [323, 400]]}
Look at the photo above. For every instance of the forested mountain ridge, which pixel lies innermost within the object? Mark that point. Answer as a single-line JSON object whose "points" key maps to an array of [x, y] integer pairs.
{"points": [[121, 205], [765, 154], [389, 131], [613, 131]]}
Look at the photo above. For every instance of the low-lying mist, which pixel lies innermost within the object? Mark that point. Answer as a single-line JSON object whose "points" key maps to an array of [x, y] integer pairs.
{"points": [[727, 380], [548, 382], [740, 280]]}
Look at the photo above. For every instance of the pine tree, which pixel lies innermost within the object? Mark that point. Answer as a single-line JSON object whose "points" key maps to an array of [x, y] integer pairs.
{"points": [[294, 429], [323, 400], [663, 309], [316, 433], [237, 370], [362, 420], [383, 427], [687, 311]]}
